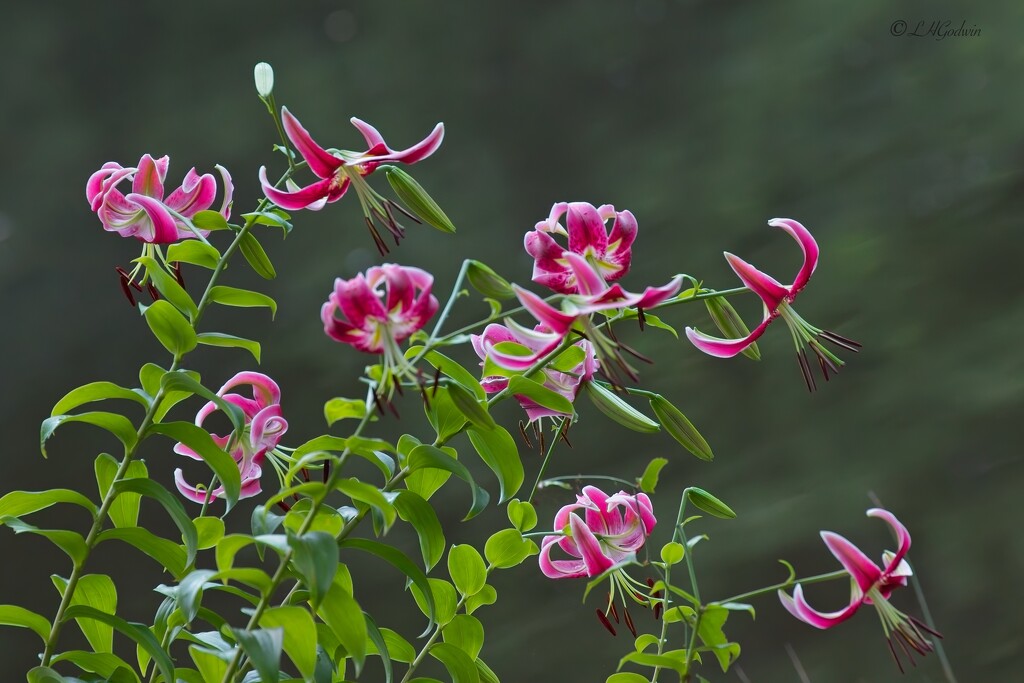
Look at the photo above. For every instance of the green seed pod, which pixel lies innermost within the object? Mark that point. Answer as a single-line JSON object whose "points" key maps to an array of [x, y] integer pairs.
{"points": [[729, 323], [680, 428]]}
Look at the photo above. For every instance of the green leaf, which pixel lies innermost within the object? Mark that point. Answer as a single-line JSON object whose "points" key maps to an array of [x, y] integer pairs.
{"points": [[680, 428], [412, 194], [711, 634], [416, 511], [169, 287], [275, 218], [124, 510], [142, 636], [487, 596], [368, 495], [299, 635], [44, 674], [730, 324], [222, 464], [444, 417], [487, 282], [450, 368], [446, 600], [400, 648], [649, 480], [195, 252], [209, 530], [170, 328], [189, 592], [650, 320], [70, 542], [230, 341], [626, 677], [327, 519], [540, 394], [507, 548], [522, 515], [173, 506], [337, 444], [486, 674], [209, 220], [210, 663], [425, 456], [263, 646], [467, 569], [316, 559], [459, 665], [118, 425], [498, 450], [242, 298], [377, 639], [703, 500], [466, 633], [399, 561], [96, 391], [169, 554], [343, 408], [257, 258], [20, 503], [620, 411], [672, 552], [342, 614], [470, 406], [664, 661], [108, 665], [184, 381], [99, 592], [13, 615]]}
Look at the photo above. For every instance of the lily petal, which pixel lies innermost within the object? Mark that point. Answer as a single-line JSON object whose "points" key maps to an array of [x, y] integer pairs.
{"points": [[763, 285], [798, 607], [308, 197], [590, 548], [725, 348], [321, 162], [863, 571], [160, 229], [807, 245], [557, 321], [902, 539], [586, 229]]}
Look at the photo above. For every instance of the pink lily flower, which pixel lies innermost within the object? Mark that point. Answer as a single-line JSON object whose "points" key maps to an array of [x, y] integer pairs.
{"points": [[380, 310], [146, 213], [608, 252], [594, 295], [870, 585], [778, 302], [337, 170], [605, 538], [564, 382], [264, 427]]}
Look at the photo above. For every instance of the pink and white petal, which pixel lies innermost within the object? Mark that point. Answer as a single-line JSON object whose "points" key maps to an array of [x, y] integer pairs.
{"points": [[264, 390], [558, 569], [639, 506], [901, 533], [494, 384], [623, 233], [97, 183], [418, 152], [160, 228], [600, 515], [182, 449], [590, 548], [312, 197], [864, 572], [588, 281], [338, 330], [652, 296], [535, 411], [267, 428], [798, 607], [896, 570], [586, 229], [229, 191], [763, 285], [149, 179], [556, 321], [196, 194], [321, 162], [553, 221], [191, 492], [808, 246], [357, 301], [725, 348], [399, 289]]}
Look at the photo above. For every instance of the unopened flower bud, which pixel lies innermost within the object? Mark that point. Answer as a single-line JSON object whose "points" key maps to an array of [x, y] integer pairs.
{"points": [[487, 282], [416, 198], [620, 411], [264, 77]]}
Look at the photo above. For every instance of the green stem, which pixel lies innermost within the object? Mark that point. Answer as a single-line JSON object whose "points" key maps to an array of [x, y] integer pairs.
{"points": [[817, 578], [947, 669], [209, 496], [547, 458], [602, 477], [667, 600]]}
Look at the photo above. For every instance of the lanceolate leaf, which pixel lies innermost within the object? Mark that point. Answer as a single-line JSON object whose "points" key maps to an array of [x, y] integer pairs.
{"points": [[416, 511], [230, 341], [316, 559], [96, 391], [118, 425], [342, 614], [108, 665], [96, 591], [150, 488], [264, 650], [400, 561], [299, 635], [470, 406], [124, 510], [257, 258], [222, 464], [539, 394], [425, 456], [170, 328], [20, 503], [498, 450], [245, 298], [169, 554], [137, 632], [377, 638], [70, 542], [459, 665], [194, 252], [13, 615], [169, 287], [183, 381]]}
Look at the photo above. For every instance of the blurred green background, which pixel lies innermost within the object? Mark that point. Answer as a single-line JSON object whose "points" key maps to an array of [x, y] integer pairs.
{"points": [[904, 156]]}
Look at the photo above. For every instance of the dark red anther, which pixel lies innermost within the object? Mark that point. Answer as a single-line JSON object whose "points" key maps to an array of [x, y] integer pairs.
{"points": [[176, 269], [380, 406], [437, 381], [377, 240], [563, 433], [394, 410], [401, 208], [327, 470], [895, 658], [305, 474], [629, 621], [425, 396], [613, 610], [284, 506], [841, 341], [123, 279], [540, 434], [526, 437], [805, 370], [151, 288], [604, 622], [641, 318], [920, 624], [636, 354]]}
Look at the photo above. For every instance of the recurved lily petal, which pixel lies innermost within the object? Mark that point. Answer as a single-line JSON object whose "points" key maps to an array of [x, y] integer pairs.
{"points": [[725, 348], [808, 246], [767, 288], [590, 548], [321, 162], [863, 571], [902, 540], [149, 178], [549, 316], [160, 228], [312, 197], [798, 607], [379, 151]]}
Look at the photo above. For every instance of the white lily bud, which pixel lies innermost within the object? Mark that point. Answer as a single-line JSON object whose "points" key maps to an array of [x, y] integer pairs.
{"points": [[264, 77]]}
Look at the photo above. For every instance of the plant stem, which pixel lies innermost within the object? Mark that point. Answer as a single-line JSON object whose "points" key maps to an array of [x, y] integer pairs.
{"points": [[817, 578], [947, 669], [666, 601], [547, 458]]}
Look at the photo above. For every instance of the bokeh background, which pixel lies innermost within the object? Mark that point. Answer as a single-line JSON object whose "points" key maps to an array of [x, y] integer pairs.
{"points": [[904, 155]]}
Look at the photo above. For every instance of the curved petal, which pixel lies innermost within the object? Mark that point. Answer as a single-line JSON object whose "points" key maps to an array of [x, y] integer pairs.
{"points": [[418, 152], [902, 538], [267, 428], [590, 548], [149, 179], [600, 516], [265, 390], [191, 492], [160, 228], [798, 607], [229, 191], [863, 571], [321, 162], [763, 285], [96, 185], [588, 281], [552, 224], [807, 245], [558, 569], [196, 194], [586, 229], [311, 197], [725, 348], [555, 320]]}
